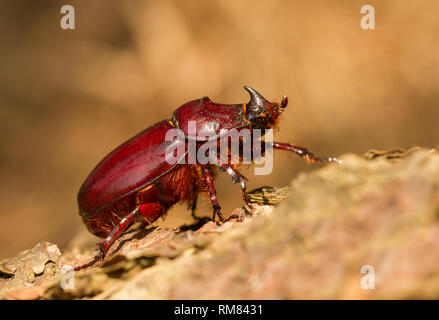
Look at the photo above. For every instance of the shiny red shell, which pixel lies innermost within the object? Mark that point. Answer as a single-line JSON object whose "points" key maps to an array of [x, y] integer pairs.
{"points": [[137, 172], [209, 117]]}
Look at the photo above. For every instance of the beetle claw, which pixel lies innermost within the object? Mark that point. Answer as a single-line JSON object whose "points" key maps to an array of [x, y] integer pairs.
{"points": [[248, 203], [217, 212], [99, 257]]}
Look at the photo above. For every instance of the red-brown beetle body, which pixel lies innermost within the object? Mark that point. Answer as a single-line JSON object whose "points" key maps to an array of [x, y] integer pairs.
{"points": [[136, 182], [111, 190]]}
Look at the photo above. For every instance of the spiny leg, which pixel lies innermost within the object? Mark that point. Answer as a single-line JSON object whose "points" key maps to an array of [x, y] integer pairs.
{"points": [[301, 152], [238, 177], [199, 221], [208, 182], [193, 207], [104, 246]]}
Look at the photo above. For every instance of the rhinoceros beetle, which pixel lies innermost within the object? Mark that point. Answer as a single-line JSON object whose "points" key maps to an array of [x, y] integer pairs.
{"points": [[135, 182]]}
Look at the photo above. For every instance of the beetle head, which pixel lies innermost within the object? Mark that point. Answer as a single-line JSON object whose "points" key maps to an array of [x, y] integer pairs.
{"points": [[260, 112]]}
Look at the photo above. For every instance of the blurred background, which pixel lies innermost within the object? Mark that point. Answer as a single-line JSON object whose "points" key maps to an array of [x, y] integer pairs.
{"points": [[68, 97]]}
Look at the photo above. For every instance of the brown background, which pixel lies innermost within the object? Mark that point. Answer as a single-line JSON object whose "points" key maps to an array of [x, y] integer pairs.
{"points": [[67, 97]]}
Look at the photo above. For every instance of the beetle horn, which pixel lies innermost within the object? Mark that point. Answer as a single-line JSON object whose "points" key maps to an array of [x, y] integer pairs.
{"points": [[257, 102]]}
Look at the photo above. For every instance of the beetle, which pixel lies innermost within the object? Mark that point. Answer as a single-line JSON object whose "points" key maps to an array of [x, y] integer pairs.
{"points": [[135, 182]]}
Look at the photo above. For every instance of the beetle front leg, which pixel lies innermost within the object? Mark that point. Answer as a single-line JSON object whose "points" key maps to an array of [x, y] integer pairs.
{"points": [[208, 182], [301, 152], [237, 177]]}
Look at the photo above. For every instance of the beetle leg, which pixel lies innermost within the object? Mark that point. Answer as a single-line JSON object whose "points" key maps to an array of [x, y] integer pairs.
{"points": [[104, 246], [238, 177], [193, 206], [208, 182], [301, 152], [123, 224], [96, 259]]}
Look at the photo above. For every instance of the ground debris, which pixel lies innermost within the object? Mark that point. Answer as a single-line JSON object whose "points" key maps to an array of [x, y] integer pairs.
{"points": [[31, 268]]}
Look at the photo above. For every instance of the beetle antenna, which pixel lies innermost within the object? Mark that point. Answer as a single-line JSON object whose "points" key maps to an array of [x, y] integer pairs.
{"points": [[284, 102]]}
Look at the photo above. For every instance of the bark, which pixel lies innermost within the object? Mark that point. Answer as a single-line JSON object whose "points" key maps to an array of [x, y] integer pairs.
{"points": [[379, 212]]}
